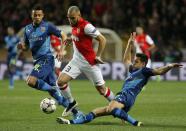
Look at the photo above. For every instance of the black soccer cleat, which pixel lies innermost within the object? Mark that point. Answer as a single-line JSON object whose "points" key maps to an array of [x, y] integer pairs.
{"points": [[69, 109]]}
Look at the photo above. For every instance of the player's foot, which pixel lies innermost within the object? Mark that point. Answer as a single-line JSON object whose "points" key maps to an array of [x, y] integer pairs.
{"points": [[70, 107], [78, 115], [61, 120], [138, 123]]}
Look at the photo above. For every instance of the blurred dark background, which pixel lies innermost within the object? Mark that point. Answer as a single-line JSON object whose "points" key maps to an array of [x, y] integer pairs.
{"points": [[163, 20]]}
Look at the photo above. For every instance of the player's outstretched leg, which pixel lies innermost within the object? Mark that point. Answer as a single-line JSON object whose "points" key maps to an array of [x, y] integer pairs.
{"points": [[54, 92], [72, 103], [119, 113], [42, 85], [80, 120]]}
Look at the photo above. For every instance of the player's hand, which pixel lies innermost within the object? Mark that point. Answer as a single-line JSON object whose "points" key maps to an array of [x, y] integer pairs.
{"points": [[68, 41], [132, 37], [21, 46], [99, 60], [175, 65], [59, 56]]}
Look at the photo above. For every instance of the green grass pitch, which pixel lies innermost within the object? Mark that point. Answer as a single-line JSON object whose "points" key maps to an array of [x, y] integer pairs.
{"points": [[161, 106]]}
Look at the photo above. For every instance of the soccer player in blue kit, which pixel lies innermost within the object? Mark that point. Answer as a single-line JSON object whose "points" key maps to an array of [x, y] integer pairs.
{"points": [[37, 38], [11, 41], [138, 76]]}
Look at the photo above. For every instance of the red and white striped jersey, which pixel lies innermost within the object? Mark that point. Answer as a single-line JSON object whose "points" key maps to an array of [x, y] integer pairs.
{"points": [[142, 43]]}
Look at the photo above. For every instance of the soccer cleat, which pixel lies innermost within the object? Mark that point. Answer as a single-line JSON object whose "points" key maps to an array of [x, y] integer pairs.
{"points": [[79, 115], [61, 120], [70, 107], [138, 123]]}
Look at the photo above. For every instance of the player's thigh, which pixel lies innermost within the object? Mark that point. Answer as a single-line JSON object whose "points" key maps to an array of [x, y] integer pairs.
{"points": [[71, 71], [94, 74], [43, 68], [126, 99]]}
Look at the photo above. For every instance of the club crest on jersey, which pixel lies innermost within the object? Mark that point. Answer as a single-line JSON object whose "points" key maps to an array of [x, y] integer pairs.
{"points": [[43, 29]]}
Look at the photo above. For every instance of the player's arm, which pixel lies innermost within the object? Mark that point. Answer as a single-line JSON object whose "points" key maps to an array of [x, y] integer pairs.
{"points": [[151, 43], [165, 69], [23, 45], [102, 42], [130, 51], [91, 31]]}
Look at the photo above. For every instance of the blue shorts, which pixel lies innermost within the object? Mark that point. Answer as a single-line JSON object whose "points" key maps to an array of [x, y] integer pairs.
{"points": [[44, 69], [125, 98]]}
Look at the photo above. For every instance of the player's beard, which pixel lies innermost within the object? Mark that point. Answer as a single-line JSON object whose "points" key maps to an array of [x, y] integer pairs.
{"points": [[36, 22]]}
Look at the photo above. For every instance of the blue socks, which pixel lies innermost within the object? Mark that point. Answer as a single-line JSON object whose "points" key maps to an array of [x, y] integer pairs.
{"points": [[119, 113], [89, 117], [42, 85], [53, 91]]}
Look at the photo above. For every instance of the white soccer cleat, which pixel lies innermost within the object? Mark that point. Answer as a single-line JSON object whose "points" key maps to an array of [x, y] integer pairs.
{"points": [[61, 120], [140, 124]]}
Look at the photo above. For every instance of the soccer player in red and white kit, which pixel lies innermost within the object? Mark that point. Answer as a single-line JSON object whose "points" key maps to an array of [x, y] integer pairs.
{"points": [[56, 45], [85, 59], [144, 44]]}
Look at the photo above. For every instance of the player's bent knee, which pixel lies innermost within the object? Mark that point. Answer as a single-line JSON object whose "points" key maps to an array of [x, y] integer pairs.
{"points": [[31, 81], [63, 80]]}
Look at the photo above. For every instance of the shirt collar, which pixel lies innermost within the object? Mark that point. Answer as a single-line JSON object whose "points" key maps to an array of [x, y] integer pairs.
{"points": [[38, 24]]}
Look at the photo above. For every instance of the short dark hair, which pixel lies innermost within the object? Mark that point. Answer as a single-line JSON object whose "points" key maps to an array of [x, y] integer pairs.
{"points": [[142, 57], [37, 7]]}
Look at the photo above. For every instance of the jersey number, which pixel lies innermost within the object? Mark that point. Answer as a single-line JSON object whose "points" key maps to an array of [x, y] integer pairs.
{"points": [[68, 68]]}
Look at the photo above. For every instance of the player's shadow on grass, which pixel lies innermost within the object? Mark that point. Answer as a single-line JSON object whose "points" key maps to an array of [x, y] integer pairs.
{"points": [[148, 125], [157, 125], [105, 123]]}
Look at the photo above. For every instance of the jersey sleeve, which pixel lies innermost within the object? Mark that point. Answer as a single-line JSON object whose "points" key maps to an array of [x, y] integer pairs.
{"points": [[55, 41], [147, 72], [90, 30], [25, 37], [149, 40], [53, 30]]}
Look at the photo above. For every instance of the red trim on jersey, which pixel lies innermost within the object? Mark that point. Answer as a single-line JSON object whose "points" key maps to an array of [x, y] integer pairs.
{"points": [[84, 42], [55, 41], [144, 46]]}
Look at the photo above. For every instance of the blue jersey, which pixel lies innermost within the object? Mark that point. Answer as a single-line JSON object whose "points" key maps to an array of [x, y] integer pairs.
{"points": [[11, 44], [136, 79], [37, 38]]}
